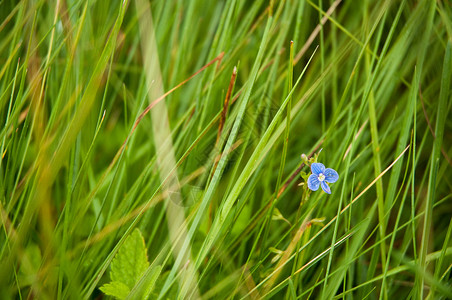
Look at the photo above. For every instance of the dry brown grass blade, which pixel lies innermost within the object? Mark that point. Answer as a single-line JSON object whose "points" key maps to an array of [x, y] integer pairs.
{"points": [[316, 31]]}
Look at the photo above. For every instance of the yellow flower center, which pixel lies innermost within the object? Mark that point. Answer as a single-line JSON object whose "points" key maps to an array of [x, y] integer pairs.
{"points": [[321, 177]]}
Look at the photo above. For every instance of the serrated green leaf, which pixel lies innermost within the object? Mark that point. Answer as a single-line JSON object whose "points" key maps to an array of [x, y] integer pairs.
{"points": [[131, 261], [116, 289]]}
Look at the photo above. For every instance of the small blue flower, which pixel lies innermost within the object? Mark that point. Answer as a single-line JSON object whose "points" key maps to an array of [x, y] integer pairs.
{"points": [[320, 176]]}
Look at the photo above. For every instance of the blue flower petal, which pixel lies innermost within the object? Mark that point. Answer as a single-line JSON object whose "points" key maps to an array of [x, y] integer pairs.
{"points": [[317, 168], [313, 182], [325, 187], [330, 175]]}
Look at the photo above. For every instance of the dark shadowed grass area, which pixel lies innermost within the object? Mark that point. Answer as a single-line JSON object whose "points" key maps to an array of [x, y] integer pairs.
{"points": [[187, 120]]}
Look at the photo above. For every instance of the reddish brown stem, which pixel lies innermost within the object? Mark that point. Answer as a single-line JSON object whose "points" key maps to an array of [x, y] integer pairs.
{"points": [[297, 171], [226, 104]]}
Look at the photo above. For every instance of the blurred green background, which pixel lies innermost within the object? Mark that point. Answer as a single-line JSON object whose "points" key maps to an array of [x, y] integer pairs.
{"points": [[187, 119]]}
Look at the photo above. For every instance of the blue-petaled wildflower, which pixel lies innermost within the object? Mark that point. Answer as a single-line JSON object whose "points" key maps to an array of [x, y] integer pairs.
{"points": [[320, 176]]}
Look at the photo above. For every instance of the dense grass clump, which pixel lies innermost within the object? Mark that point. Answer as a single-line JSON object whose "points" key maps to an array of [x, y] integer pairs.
{"points": [[153, 149]]}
